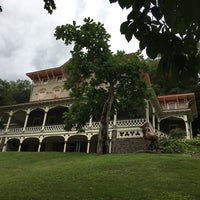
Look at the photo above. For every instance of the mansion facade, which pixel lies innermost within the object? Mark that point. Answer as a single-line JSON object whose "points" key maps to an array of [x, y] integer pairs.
{"points": [[39, 125]]}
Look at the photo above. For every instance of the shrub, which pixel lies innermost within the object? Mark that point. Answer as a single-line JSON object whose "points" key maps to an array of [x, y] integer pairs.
{"points": [[177, 133], [179, 145]]}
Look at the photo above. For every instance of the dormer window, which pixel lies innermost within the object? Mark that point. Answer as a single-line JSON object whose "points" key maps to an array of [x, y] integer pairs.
{"points": [[57, 92], [59, 78], [171, 105], [45, 80], [41, 94]]}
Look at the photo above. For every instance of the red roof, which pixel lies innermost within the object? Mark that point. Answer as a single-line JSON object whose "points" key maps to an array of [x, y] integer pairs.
{"points": [[176, 96], [56, 71]]}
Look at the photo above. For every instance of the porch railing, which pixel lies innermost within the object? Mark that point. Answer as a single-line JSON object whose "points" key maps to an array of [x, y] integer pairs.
{"points": [[60, 128]]}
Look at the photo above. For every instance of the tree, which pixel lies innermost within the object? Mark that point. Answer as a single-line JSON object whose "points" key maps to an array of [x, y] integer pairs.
{"points": [[163, 85], [170, 29], [14, 92], [99, 80]]}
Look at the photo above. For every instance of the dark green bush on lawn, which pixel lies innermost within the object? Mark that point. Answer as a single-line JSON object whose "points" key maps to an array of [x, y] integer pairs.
{"points": [[177, 133], [179, 145]]}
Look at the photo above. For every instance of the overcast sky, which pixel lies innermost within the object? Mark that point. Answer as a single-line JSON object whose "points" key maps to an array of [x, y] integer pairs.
{"points": [[27, 41]]}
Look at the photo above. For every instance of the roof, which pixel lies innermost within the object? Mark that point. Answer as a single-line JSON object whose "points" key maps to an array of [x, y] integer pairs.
{"points": [[47, 72], [174, 97]]}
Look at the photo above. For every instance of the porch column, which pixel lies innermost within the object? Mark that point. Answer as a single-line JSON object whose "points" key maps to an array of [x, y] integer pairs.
{"points": [[4, 145], [147, 111], [188, 133], [110, 145], [39, 146], [191, 136], [9, 120], [158, 125], [20, 144], [45, 117], [153, 118], [115, 118], [90, 122], [26, 119], [88, 146], [65, 146], [40, 143], [65, 143]]}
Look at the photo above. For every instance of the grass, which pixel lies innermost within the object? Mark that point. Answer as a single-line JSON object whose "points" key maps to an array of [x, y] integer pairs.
{"points": [[62, 176]]}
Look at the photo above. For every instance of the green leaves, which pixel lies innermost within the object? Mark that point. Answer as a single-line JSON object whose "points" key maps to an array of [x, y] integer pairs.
{"points": [[49, 5], [170, 29], [13, 92]]}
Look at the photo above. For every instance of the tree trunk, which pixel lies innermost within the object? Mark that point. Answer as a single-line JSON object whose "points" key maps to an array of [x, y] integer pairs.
{"points": [[103, 138]]}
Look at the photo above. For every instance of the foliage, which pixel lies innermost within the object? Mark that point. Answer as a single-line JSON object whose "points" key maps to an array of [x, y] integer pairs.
{"points": [[49, 5], [99, 81], [60, 175], [179, 145], [177, 133], [166, 28], [163, 85], [14, 92]]}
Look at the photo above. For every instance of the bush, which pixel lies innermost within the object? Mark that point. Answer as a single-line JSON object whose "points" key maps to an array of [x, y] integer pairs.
{"points": [[179, 145], [177, 133]]}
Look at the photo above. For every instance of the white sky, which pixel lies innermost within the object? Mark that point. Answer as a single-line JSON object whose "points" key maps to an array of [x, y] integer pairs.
{"points": [[27, 41]]}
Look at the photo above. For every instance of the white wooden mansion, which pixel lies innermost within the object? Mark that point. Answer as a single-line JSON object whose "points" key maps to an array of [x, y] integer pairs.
{"points": [[38, 124]]}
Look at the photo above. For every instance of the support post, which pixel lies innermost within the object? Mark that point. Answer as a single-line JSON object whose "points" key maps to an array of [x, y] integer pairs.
{"points": [[147, 111], [110, 145], [90, 122], [158, 125], [153, 118], [39, 146], [26, 120], [20, 146], [188, 133], [65, 146], [115, 118], [45, 117], [88, 146], [9, 120]]}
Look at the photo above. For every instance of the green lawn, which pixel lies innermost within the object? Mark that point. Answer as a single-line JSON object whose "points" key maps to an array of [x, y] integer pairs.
{"points": [[61, 176]]}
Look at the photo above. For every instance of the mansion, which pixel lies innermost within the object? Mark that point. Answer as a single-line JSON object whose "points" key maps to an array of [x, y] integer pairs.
{"points": [[39, 126]]}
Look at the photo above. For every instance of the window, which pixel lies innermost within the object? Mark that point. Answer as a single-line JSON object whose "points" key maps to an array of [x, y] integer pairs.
{"points": [[41, 94], [172, 106], [45, 80], [56, 92], [59, 78]]}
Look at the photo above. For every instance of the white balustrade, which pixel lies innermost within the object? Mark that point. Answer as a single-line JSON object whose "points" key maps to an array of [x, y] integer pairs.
{"points": [[15, 130], [33, 129], [95, 125], [129, 123], [54, 128]]}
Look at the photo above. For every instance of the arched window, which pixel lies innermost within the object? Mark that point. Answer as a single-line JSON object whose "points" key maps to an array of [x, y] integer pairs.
{"points": [[56, 92], [41, 94], [172, 105]]}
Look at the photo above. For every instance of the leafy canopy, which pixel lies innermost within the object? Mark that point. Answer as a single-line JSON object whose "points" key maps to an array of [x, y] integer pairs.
{"points": [[166, 28], [13, 92], [94, 73]]}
